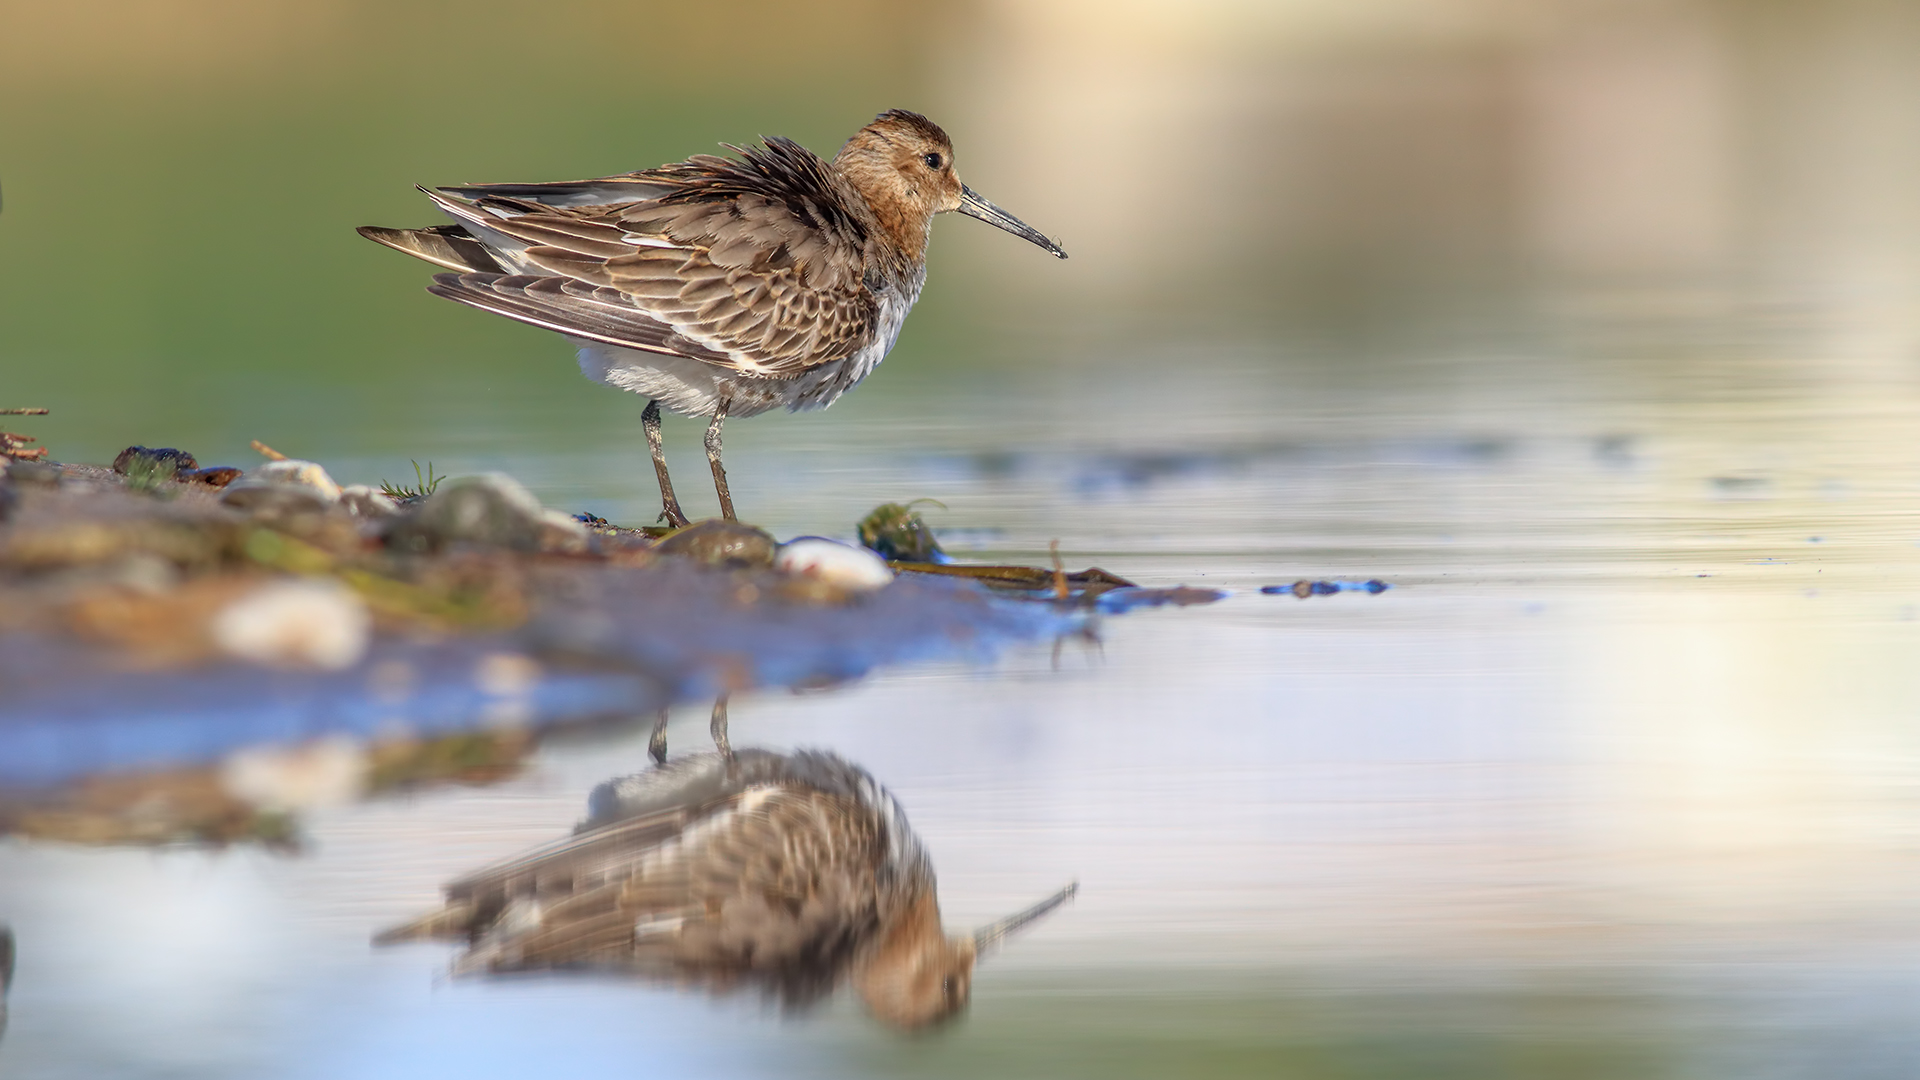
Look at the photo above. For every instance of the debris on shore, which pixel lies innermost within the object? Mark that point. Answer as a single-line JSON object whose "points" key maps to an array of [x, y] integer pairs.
{"points": [[1304, 589], [161, 620]]}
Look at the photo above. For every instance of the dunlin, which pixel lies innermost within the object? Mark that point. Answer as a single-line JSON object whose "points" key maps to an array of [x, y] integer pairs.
{"points": [[715, 286], [792, 873]]}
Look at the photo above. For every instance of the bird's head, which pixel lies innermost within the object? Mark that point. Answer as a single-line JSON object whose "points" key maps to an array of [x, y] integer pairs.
{"points": [[902, 164], [919, 977]]}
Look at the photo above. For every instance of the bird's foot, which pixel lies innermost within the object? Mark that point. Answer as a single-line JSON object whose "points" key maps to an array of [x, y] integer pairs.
{"points": [[657, 744], [719, 729]]}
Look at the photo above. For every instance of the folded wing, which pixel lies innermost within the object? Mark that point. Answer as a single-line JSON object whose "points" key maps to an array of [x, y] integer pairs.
{"points": [[776, 883], [753, 264]]}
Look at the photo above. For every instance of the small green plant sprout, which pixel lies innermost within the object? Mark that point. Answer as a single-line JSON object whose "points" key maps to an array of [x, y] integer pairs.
{"points": [[424, 483]]}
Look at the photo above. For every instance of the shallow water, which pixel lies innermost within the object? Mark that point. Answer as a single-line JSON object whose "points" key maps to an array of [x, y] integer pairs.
{"points": [[1617, 779], [1592, 336]]}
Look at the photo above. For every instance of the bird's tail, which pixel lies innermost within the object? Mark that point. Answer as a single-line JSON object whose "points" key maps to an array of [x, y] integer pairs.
{"points": [[451, 923], [443, 245]]}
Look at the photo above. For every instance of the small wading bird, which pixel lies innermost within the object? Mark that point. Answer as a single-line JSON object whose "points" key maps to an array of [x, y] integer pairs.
{"points": [[716, 287], [786, 872]]}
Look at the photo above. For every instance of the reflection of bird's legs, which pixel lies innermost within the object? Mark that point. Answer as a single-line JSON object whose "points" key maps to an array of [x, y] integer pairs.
{"points": [[670, 506], [713, 458], [720, 727], [657, 745]]}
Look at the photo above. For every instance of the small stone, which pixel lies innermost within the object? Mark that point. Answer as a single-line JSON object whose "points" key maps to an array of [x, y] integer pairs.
{"points": [[36, 473], [725, 544], [561, 533], [136, 459], [328, 772], [366, 502], [271, 500], [295, 471], [895, 531], [314, 624], [848, 567], [492, 510], [217, 476]]}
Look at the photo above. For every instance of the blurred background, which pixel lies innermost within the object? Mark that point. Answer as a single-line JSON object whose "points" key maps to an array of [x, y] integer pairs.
{"points": [[1591, 326]]}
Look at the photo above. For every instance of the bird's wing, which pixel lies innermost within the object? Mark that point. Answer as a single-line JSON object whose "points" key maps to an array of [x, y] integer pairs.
{"points": [[442, 245], [757, 883], [476, 902], [572, 307], [757, 263], [625, 188]]}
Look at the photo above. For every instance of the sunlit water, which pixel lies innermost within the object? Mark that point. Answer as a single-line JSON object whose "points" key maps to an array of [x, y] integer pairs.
{"points": [[1619, 778]]}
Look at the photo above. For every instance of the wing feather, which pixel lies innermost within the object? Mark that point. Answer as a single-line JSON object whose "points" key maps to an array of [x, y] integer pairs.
{"points": [[765, 879], [754, 264], [573, 308]]}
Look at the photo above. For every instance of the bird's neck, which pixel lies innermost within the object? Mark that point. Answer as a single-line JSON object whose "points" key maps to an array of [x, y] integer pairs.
{"points": [[898, 217], [913, 931]]}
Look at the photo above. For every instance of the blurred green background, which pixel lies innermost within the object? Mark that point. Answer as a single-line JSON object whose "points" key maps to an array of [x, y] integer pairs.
{"points": [[182, 181], [1353, 195]]}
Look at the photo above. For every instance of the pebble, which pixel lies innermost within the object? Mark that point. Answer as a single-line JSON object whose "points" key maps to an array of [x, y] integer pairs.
{"points": [[281, 489], [154, 459], [295, 471], [843, 565], [269, 499], [368, 502], [213, 476], [491, 510], [311, 624], [725, 544], [327, 772], [896, 531]]}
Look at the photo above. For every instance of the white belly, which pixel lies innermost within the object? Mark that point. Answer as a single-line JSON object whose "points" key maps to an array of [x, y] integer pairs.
{"points": [[695, 387]]}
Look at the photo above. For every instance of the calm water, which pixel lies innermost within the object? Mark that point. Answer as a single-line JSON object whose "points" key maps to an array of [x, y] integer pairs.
{"points": [[1620, 779]]}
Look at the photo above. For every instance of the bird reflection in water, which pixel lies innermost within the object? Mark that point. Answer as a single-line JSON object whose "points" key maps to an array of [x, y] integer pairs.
{"points": [[789, 873]]}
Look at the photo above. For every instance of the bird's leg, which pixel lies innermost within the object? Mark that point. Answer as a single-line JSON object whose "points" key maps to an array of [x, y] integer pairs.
{"points": [[657, 745], [669, 506], [713, 458], [720, 727]]}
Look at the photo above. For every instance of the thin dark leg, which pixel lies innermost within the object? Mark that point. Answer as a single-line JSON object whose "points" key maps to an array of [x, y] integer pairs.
{"points": [[657, 745], [720, 727], [713, 458], [670, 506]]}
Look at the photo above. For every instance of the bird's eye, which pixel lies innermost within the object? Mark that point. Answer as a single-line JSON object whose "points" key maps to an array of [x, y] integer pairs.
{"points": [[932, 160]]}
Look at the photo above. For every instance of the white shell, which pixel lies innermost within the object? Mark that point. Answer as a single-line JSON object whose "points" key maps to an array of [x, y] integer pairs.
{"points": [[368, 503], [328, 772], [839, 564], [295, 471], [317, 624]]}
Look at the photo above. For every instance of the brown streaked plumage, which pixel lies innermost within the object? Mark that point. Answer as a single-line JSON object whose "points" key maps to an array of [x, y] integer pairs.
{"points": [[715, 286], [791, 873]]}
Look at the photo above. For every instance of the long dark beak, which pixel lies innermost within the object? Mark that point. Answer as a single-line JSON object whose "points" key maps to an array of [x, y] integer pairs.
{"points": [[972, 205], [993, 934]]}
